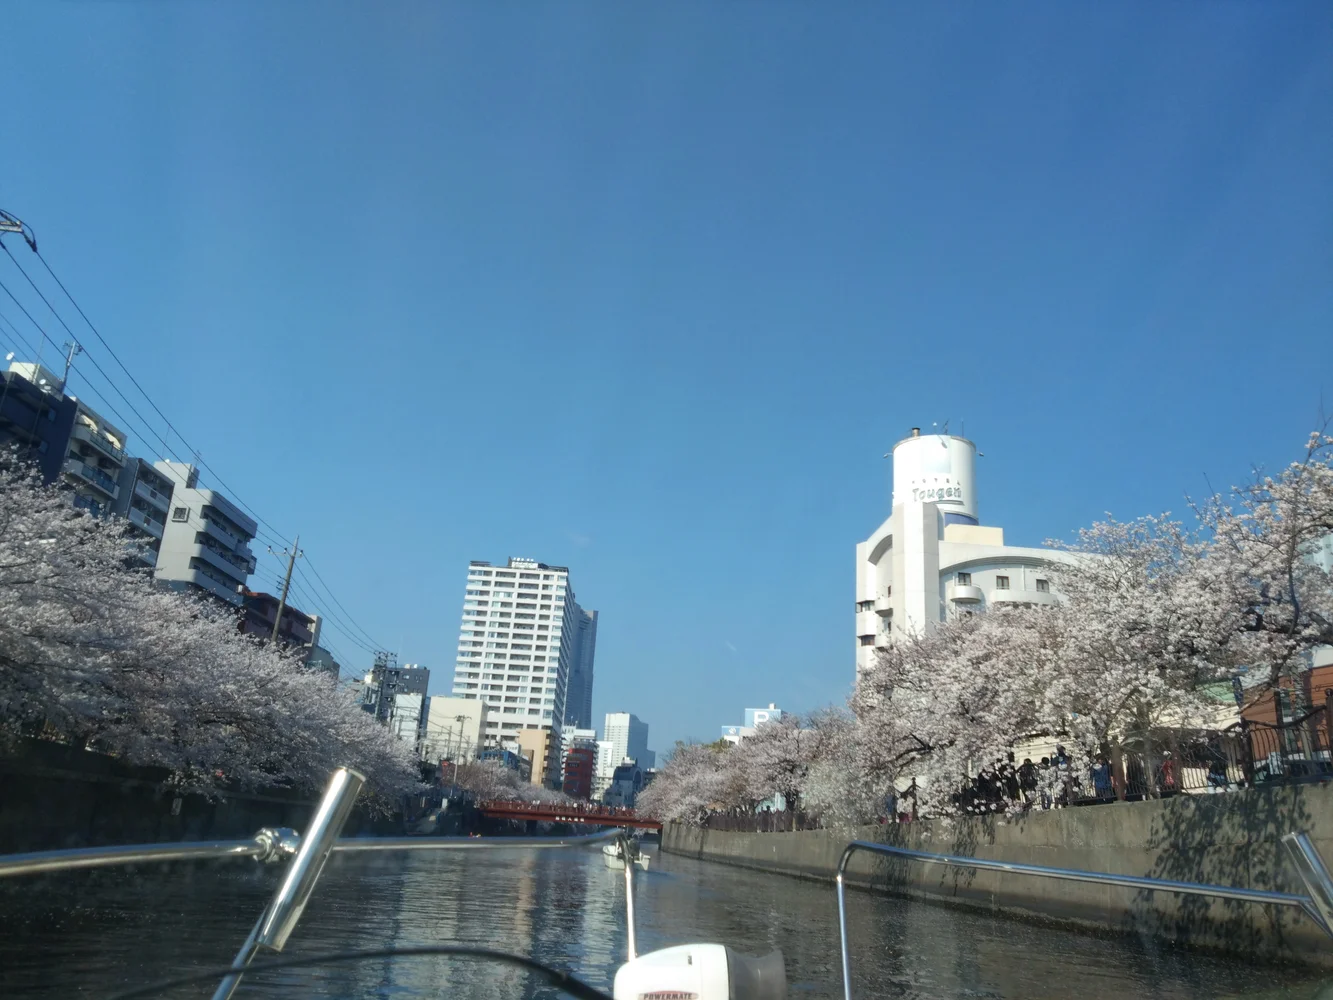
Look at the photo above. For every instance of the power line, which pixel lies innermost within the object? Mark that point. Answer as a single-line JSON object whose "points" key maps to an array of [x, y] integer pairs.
{"points": [[310, 602], [130, 375], [328, 590], [364, 640]]}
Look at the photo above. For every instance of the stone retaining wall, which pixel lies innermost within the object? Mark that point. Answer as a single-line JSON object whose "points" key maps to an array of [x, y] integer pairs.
{"points": [[1228, 839]]}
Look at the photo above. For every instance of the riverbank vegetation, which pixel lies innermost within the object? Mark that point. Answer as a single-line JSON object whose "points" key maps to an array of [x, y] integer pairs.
{"points": [[1154, 619], [93, 653]]}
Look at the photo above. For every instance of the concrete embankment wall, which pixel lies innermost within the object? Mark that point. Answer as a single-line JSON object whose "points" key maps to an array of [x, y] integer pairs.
{"points": [[54, 796], [1232, 839]]}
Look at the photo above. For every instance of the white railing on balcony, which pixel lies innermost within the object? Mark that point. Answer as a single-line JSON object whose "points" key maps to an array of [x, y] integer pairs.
{"points": [[98, 441]]}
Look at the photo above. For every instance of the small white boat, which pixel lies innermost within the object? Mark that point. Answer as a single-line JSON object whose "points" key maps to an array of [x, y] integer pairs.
{"points": [[614, 856]]}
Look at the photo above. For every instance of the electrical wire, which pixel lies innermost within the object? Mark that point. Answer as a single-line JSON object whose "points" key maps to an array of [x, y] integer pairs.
{"points": [[560, 980], [328, 590], [308, 603], [135, 382], [272, 535]]}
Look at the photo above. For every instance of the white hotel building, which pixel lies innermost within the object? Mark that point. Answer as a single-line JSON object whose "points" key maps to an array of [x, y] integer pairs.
{"points": [[518, 642], [932, 557]]}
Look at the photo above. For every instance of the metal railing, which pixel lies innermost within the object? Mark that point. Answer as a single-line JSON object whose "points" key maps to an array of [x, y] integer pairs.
{"points": [[309, 854], [1318, 905]]}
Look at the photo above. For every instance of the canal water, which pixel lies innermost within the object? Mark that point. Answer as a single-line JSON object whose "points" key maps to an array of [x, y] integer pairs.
{"points": [[88, 934]]}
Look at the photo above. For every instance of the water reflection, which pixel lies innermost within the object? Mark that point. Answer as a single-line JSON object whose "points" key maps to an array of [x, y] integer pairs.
{"points": [[91, 933]]}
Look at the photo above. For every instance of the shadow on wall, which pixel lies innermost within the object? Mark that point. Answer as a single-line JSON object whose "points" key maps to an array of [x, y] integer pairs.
{"points": [[1232, 839], [966, 837]]}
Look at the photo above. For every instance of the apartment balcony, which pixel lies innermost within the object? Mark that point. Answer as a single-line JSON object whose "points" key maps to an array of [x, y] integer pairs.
{"points": [[231, 566], [161, 501], [883, 606], [1043, 598], [142, 520], [98, 441], [964, 593], [867, 623], [96, 478], [201, 579], [224, 536]]}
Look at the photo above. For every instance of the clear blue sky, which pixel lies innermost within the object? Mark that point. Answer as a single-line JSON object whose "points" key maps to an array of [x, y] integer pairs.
{"points": [[648, 290]]}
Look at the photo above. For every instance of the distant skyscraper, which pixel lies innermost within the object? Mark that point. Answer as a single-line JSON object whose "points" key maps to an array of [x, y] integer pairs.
{"points": [[628, 736], [516, 649], [578, 702]]}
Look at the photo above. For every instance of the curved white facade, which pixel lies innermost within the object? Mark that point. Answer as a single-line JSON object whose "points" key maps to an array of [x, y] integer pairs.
{"points": [[939, 469], [930, 559]]}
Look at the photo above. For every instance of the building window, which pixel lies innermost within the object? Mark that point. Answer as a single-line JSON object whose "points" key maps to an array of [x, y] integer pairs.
{"points": [[965, 579], [865, 605], [180, 513], [867, 640], [1043, 586], [1001, 583]]}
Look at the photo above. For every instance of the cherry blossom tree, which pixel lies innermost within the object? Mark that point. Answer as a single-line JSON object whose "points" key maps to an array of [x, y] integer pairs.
{"points": [[491, 781], [689, 786], [92, 651]]}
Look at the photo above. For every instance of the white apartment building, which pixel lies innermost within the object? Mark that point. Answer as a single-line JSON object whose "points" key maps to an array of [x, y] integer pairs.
{"points": [[145, 502], [516, 648], [932, 557], [206, 541]]}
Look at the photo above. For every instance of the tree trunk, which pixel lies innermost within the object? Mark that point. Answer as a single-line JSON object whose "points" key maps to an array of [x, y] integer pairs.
{"points": [[1118, 770]]}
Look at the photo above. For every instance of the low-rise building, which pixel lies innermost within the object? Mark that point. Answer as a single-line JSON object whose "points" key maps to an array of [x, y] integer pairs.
{"points": [[406, 718], [387, 679], [540, 746], [508, 757], [580, 771], [297, 630], [455, 729]]}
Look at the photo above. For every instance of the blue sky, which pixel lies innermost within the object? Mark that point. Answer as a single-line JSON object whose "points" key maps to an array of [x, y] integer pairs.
{"points": [[691, 269]]}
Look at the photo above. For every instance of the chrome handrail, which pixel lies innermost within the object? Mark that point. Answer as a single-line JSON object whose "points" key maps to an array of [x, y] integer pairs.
{"points": [[309, 854], [262, 846], [1318, 905], [100, 857]]}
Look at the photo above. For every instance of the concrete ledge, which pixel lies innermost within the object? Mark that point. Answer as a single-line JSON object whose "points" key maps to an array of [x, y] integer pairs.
{"points": [[1233, 839]]}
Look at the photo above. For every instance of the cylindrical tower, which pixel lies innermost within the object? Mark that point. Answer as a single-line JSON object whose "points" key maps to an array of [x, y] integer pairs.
{"points": [[938, 469]]}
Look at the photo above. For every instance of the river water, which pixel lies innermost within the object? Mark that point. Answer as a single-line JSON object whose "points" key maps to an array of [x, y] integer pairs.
{"points": [[88, 934]]}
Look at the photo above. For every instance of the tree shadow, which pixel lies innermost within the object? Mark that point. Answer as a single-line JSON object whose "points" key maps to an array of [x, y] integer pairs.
{"points": [[1230, 839]]}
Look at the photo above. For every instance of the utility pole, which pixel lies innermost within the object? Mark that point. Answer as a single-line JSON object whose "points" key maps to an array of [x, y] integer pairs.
{"points": [[286, 585], [73, 349]]}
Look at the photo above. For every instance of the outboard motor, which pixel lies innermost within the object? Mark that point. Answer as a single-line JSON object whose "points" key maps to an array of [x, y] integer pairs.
{"points": [[702, 972]]}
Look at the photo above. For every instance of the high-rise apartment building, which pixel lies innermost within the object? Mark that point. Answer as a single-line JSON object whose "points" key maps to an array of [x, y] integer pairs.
{"points": [[206, 542], [516, 649], [578, 702]]}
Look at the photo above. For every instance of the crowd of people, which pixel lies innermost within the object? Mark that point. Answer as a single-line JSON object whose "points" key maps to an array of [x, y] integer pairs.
{"points": [[1056, 782]]}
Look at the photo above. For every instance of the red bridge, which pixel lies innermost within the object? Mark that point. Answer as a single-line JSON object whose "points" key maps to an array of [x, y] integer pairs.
{"points": [[543, 813]]}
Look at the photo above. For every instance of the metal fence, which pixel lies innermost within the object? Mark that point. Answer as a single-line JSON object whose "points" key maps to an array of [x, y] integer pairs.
{"points": [[1159, 764]]}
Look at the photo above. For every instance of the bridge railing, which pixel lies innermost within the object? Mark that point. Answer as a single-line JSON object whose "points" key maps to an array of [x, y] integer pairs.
{"points": [[551, 809]]}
